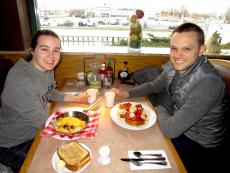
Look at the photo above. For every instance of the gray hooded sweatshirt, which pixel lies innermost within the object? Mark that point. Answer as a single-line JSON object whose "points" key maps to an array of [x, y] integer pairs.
{"points": [[24, 103]]}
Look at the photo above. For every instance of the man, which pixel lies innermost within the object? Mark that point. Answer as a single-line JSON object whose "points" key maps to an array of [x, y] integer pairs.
{"points": [[196, 121]]}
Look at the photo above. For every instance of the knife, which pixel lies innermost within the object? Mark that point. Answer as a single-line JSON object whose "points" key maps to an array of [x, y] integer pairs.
{"points": [[92, 105], [142, 159]]}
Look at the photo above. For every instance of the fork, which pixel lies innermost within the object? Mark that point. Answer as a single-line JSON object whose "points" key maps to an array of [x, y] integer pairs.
{"points": [[139, 163]]}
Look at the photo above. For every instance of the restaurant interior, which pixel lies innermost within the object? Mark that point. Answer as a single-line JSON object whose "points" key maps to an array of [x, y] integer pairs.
{"points": [[15, 35]]}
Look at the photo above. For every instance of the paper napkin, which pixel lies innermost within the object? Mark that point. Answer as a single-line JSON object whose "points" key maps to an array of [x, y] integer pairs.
{"points": [[149, 166]]}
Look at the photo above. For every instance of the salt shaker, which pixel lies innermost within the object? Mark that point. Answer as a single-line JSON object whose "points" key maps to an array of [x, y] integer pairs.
{"points": [[104, 157]]}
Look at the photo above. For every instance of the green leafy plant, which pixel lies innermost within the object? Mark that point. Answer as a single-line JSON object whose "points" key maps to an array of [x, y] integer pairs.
{"points": [[225, 46]]}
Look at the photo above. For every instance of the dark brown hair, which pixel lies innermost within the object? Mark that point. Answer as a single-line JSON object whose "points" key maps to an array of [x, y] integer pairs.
{"points": [[189, 27]]}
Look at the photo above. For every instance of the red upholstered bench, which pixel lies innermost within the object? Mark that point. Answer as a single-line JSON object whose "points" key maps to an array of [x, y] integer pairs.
{"points": [[225, 74]]}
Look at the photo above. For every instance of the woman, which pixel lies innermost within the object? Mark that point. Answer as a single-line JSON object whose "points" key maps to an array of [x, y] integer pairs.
{"points": [[29, 86]]}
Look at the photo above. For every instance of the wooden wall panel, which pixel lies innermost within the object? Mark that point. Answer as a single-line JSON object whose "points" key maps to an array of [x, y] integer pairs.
{"points": [[68, 67], [71, 64]]}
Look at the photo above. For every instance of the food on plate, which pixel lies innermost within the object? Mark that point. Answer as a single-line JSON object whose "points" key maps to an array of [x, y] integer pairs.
{"points": [[124, 109], [60, 165], [74, 155], [69, 125], [134, 114], [125, 105]]}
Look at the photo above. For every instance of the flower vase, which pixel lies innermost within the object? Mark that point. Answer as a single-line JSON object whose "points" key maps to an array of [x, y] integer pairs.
{"points": [[135, 35], [134, 46]]}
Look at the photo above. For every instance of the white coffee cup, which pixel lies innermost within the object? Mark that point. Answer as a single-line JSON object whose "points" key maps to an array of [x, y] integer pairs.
{"points": [[93, 95], [80, 76], [109, 98]]}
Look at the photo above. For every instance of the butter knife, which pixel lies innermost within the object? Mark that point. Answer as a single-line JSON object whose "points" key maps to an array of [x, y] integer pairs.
{"points": [[142, 159]]}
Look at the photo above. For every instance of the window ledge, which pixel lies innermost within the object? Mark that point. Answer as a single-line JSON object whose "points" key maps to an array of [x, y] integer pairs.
{"points": [[112, 50], [116, 50]]}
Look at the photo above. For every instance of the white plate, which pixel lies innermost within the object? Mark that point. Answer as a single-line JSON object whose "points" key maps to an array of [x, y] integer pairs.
{"points": [[151, 117], [55, 158], [63, 110]]}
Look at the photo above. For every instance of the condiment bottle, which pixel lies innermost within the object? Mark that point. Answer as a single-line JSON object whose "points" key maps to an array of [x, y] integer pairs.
{"points": [[102, 72], [124, 74], [109, 71]]}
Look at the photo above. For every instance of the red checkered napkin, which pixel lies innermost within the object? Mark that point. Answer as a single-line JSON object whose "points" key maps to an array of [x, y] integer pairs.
{"points": [[88, 132]]}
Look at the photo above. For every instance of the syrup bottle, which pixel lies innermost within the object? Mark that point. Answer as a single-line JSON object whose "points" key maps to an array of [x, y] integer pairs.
{"points": [[124, 74]]}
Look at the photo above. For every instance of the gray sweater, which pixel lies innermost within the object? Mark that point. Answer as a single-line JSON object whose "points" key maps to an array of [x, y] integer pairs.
{"points": [[24, 103], [199, 108]]}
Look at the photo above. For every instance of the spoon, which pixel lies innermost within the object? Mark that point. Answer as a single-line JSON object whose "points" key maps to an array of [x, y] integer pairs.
{"points": [[139, 154], [138, 163]]}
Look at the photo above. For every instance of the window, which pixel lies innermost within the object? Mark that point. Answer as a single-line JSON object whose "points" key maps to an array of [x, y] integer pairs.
{"points": [[103, 23]]}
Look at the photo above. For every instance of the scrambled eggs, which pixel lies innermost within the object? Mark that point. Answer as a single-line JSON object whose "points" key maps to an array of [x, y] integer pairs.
{"points": [[69, 125]]}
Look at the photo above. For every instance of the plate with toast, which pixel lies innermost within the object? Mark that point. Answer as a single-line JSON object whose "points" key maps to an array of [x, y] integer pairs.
{"points": [[133, 115], [71, 157]]}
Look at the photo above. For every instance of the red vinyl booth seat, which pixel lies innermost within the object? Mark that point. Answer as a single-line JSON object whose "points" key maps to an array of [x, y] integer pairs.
{"points": [[225, 74]]}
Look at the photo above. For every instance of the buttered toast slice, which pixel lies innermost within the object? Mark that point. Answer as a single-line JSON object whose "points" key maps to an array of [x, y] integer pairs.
{"points": [[74, 155]]}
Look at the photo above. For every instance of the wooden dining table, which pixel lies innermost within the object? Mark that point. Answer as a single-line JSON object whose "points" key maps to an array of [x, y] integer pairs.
{"points": [[119, 139]]}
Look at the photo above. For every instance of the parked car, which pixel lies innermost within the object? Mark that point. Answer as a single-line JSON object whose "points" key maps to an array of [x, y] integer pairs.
{"points": [[172, 27], [45, 22], [82, 22], [87, 22], [114, 21], [68, 23], [91, 23]]}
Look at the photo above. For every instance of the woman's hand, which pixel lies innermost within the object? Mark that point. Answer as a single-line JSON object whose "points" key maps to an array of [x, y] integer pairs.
{"points": [[81, 98], [120, 93]]}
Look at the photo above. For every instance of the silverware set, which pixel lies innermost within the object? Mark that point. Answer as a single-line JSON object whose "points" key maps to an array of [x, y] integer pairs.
{"points": [[140, 160]]}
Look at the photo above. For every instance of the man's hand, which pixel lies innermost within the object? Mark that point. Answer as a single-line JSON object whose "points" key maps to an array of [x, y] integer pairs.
{"points": [[120, 93]]}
